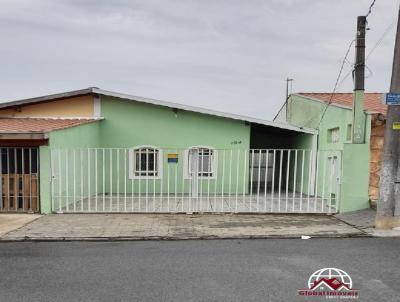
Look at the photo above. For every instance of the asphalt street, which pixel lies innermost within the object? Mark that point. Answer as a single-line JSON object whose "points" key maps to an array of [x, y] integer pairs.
{"points": [[202, 270]]}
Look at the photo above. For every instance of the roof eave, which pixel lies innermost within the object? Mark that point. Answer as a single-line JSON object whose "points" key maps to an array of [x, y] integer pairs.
{"points": [[23, 135], [323, 102], [335, 104], [203, 111], [46, 132], [46, 98]]}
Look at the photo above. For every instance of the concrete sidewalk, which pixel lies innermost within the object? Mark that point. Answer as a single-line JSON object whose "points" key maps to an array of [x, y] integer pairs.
{"points": [[10, 222], [179, 227], [364, 220]]}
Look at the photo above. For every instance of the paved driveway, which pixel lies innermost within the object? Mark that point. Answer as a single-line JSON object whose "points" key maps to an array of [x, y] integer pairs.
{"points": [[169, 226]]}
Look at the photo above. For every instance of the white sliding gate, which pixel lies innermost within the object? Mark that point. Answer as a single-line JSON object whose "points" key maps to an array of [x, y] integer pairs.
{"points": [[201, 179]]}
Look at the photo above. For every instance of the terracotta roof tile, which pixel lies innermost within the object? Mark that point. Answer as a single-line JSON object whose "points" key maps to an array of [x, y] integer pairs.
{"points": [[39, 125], [373, 101]]}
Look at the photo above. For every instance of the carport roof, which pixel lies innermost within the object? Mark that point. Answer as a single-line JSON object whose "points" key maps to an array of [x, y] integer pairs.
{"points": [[97, 91], [39, 125]]}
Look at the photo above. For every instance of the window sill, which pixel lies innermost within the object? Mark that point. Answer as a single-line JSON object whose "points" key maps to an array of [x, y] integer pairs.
{"points": [[145, 177], [201, 178]]}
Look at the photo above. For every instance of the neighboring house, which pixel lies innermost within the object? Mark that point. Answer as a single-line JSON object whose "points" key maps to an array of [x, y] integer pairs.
{"points": [[360, 163], [93, 150]]}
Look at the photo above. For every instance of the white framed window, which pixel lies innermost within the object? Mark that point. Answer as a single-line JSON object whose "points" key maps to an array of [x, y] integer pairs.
{"points": [[334, 135], [202, 159], [145, 162]]}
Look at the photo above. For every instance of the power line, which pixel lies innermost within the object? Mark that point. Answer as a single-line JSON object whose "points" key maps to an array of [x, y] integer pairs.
{"points": [[336, 82], [388, 29], [342, 66], [345, 77], [371, 74], [341, 69], [370, 8], [380, 40]]}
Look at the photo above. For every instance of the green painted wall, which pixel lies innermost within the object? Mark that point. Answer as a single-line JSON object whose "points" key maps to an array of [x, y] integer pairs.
{"points": [[45, 180], [127, 124], [305, 158], [304, 112], [355, 177], [84, 136]]}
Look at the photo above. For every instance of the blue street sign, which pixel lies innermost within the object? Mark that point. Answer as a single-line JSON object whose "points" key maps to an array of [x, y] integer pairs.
{"points": [[392, 98]]}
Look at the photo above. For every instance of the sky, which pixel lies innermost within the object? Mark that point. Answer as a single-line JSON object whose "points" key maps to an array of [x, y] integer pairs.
{"points": [[226, 55]]}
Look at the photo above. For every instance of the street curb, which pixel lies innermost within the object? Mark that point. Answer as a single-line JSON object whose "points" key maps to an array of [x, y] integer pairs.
{"points": [[354, 226], [173, 238]]}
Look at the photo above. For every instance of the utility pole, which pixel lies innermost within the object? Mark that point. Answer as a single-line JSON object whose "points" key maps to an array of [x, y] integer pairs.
{"points": [[359, 79], [388, 214], [287, 87], [288, 80]]}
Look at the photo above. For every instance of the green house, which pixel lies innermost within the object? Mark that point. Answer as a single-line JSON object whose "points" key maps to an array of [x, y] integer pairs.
{"points": [[94, 150], [357, 165]]}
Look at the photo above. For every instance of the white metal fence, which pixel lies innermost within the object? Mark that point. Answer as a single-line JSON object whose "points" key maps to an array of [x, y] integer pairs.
{"points": [[200, 179]]}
